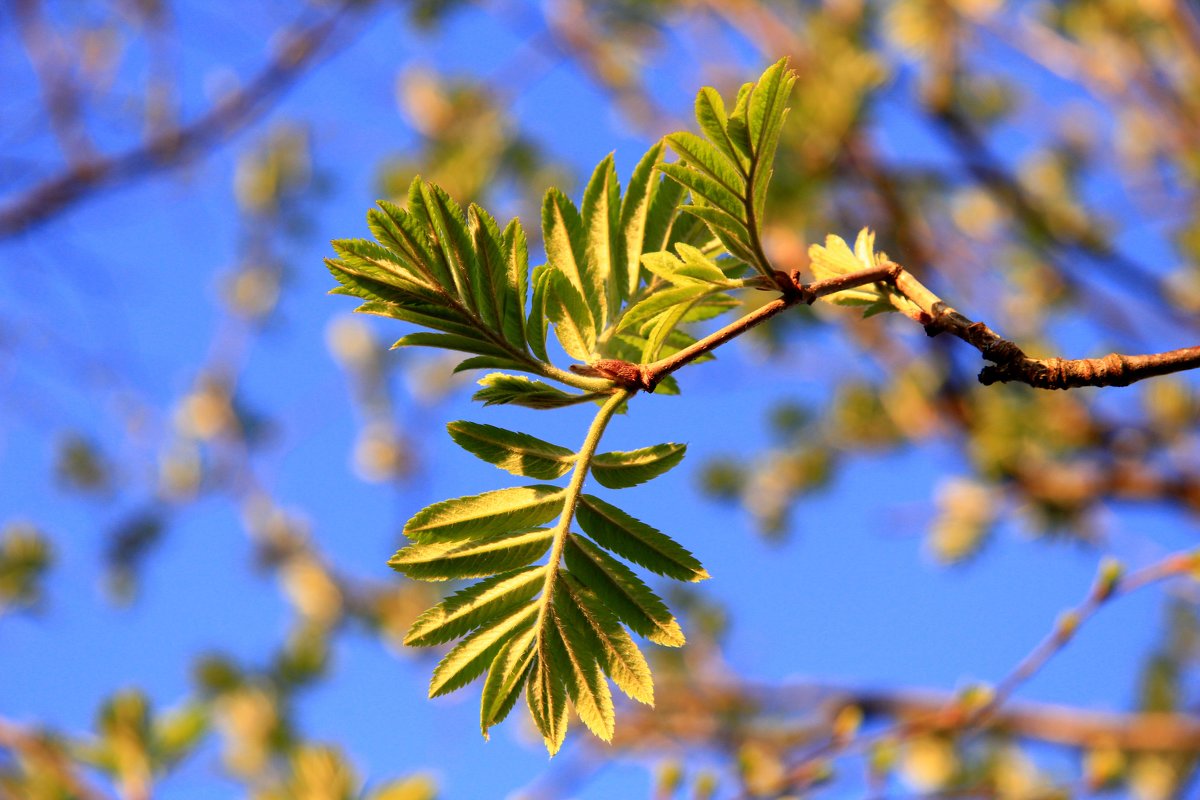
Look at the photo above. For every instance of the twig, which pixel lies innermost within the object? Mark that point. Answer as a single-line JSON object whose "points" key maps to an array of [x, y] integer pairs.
{"points": [[169, 148], [1009, 362], [39, 748]]}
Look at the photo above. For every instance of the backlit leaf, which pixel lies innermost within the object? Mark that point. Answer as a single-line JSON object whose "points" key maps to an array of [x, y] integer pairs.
{"points": [[501, 511], [618, 656], [485, 555], [518, 453], [517, 390], [619, 470], [615, 530], [505, 678], [471, 657], [474, 605]]}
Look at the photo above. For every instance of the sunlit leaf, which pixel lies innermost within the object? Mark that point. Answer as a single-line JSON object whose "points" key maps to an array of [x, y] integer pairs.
{"points": [[474, 605], [485, 555], [619, 470], [615, 530], [471, 656], [518, 453], [501, 511]]}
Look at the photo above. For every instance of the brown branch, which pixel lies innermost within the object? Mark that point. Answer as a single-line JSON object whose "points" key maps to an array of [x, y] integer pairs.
{"points": [[1009, 362], [170, 148], [40, 748]]}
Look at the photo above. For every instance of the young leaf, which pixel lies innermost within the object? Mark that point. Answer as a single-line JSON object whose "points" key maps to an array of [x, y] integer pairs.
{"points": [[566, 249], [574, 324], [619, 657], [623, 592], [605, 256], [690, 268], [474, 605], [506, 675], [537, 325], [619, 470], [705, 190], [518, 453], [575, 657], [710, 113], [453, 241], [501, 511], [635, 217], [547, 697], [705, 158], [447, 341], [486, 555], [836, 258], [490, 280], [516, 264], [517, 390], [617, 531], [471, 657]]}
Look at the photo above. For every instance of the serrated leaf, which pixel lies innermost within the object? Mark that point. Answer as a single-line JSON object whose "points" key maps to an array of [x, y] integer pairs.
{"points": [[448, 341], [645, 310], [615, 530], [538, 325], [423, 314], [574, 324], [604, 254], [707, 159], [690, 267], [705, 190], [618, 656], [635, 216], [732, 233], [489, 280], [370, 285], [517, 390], [500, 511], [490, 362], [471, 657], [577, 661], [623, 592], [619, 470], [518, 453], [547, 698], [505, 679], [710, 113], [473, 606], [453, 241], [516, 262], [485, 555], [566, 249]]}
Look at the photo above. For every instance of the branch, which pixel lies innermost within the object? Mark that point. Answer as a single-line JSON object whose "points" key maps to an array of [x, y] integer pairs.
{"points": [[170, 148], [39, 748]]}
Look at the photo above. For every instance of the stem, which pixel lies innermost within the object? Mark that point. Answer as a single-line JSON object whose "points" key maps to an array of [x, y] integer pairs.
{"points": [[583, 461]]}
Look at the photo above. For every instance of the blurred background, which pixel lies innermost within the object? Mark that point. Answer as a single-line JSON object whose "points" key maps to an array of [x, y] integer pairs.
{"points": [[205, 462]]}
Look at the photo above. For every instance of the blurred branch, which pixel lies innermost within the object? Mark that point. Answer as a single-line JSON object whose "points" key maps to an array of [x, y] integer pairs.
{"points": [[39, 749], [301, 44]]}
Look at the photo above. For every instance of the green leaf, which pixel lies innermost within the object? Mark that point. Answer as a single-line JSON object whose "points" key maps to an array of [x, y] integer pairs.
{"points": [[619, 470], [605, 257], [489, 281], [537, 326], [400, 233], [566, 249], [486, 555], [518, 453], [623, 592], [705, 190], [517, 390], [691, 267], [423, 314], [471, 657], [642, 312], [453, 240], [447, 341], [708, 160], [710, 113], [373, 283], [574, 655], [516, 261], [635, 212], [732, 233], [473, 606], [506, 675], [547, 697], [491, 362], [574, 324], [619, 657], [626, 536], [501, 511], [414, 226]]}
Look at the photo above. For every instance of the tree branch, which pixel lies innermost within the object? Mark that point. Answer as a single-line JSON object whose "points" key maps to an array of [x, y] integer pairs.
{"points": [[301, 46]]}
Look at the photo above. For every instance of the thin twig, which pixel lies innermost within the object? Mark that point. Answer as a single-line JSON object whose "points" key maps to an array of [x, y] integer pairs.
{"points": [[302, 45]]}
